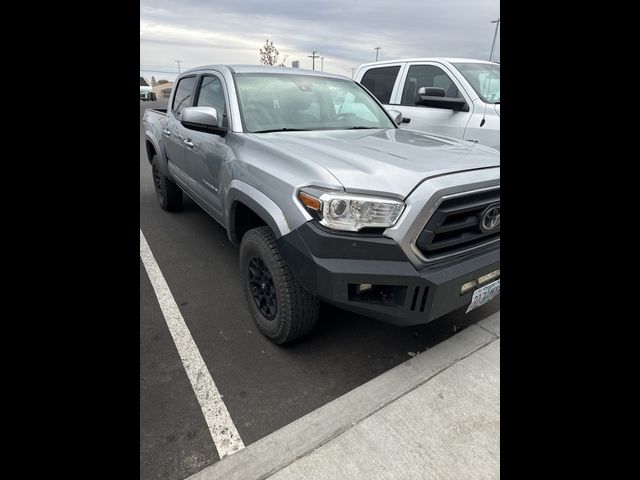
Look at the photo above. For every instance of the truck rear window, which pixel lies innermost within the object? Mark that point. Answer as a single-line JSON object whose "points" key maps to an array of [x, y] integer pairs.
{"points": [[380, 82]]}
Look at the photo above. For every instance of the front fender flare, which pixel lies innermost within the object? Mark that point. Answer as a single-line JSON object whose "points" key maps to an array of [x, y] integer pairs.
{"points": [[257, 201]]}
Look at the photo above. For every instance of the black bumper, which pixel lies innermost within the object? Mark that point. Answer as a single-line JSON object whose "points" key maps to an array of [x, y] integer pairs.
{"points": [[331, 266]]}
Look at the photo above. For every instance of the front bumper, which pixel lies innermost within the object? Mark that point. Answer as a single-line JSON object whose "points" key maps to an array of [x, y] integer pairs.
{"points": [[332, 265]]}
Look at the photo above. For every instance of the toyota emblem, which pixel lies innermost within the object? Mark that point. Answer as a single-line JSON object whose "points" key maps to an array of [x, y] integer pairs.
{"points": [[490, 218]]}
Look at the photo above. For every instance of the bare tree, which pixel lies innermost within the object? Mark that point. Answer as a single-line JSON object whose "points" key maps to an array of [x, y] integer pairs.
{"points": [[269, 55]]}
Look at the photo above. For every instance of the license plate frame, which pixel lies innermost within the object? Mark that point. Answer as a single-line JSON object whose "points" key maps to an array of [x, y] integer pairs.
{"points": [[484, 294]]}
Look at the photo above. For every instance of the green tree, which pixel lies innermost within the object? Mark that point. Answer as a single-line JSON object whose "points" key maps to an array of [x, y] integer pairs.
{"points": [[269, 55], [143, 82], [162, 82]]}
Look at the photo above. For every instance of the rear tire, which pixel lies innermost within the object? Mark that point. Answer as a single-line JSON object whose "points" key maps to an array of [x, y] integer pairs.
{"points": [[282, 309], [168, 193]]}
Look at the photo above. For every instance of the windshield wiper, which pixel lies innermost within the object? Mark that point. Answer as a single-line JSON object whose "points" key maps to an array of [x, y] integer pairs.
{"points": [[359, 127], [283, 130]]}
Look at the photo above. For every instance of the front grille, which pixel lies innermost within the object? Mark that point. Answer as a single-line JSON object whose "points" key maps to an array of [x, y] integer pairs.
{"points": [[456, 225]]}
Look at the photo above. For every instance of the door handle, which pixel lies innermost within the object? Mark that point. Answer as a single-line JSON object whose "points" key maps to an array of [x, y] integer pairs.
{"points": [[188, 142], [167, 132]]}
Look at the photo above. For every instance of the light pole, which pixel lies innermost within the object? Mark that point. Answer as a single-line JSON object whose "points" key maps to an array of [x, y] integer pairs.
{"points": [[178, 62], [377, 49], [495, 34], [488, 83], [353, 69], [322, 64]]}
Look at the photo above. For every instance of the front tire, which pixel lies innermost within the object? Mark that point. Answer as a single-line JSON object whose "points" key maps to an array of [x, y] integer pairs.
{"points": [[168, 193], [282, 309]]}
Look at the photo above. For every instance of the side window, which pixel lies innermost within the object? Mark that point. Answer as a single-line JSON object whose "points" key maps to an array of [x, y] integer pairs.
{"points": [[184, 95], [420, 76], [212, 95], [380, 82]]}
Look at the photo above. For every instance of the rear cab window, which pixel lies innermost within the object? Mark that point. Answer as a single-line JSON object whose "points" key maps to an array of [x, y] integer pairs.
{"points": [[380, 81]]}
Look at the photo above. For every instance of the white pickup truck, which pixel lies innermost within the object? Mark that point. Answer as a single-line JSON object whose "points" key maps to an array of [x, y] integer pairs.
{"points": [[453, 97]]}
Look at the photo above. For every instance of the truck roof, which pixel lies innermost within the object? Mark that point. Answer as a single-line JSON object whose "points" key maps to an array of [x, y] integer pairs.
{"points": [[428, 59], [265, 69]]}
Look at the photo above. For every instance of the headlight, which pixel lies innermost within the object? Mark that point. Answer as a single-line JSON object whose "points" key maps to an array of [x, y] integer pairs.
{"points": [[343, 211]]}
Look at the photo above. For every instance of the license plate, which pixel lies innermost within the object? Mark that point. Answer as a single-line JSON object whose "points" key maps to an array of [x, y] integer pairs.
{"points": [[484, 294]]}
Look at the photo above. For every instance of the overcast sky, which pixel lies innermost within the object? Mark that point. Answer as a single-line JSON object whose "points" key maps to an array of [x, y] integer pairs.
{"points": [[344, 32]]}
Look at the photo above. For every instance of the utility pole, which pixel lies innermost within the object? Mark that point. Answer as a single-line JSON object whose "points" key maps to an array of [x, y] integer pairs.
{"points": [[178, 62], [495, 34], [377, 49], [353, 70], [322, 64], [314, 56]]}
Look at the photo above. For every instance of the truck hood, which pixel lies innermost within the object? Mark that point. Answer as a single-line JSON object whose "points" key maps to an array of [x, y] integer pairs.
{"points": [[390, 162]]}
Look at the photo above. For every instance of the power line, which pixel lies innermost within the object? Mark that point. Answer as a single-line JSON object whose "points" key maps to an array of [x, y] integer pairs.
{"points": [[158, 71], [154, 65]]}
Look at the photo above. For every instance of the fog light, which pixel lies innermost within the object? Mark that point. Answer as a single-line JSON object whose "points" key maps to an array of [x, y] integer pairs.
{"points": [[467, 287], [364, 287], [488, 277]]}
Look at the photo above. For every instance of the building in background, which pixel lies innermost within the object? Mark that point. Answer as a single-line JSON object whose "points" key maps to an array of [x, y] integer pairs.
{"points": [[295, 64], [163, 90]]}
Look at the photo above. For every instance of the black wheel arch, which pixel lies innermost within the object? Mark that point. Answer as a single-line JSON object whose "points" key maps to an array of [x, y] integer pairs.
{"points": [[243, 218]]}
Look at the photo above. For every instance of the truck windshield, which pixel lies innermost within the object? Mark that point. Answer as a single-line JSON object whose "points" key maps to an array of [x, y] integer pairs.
{"points": [[477, 74], [285, 102]]}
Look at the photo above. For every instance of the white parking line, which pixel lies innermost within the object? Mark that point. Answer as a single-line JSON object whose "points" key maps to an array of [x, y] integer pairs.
{"points": [[221, 426]]}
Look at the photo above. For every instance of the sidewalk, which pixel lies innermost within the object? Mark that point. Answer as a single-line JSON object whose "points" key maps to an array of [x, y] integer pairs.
{"points": [[436, 416]]}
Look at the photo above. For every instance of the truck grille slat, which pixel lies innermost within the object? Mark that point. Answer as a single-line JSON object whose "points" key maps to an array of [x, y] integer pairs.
{"points": [[456, 225]]}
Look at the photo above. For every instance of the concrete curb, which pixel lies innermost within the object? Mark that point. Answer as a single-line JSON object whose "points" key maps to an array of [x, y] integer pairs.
{"points": [[301, 437]]}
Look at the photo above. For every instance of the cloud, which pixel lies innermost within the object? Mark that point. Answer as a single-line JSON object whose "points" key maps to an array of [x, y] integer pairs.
{"points": [[200, 32]]}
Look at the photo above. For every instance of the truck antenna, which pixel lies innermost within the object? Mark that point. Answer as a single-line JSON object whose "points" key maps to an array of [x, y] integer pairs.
{"points": [[497, 22]]}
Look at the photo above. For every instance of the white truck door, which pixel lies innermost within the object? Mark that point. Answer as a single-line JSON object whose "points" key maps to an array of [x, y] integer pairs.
{"points": [[440, 121]]}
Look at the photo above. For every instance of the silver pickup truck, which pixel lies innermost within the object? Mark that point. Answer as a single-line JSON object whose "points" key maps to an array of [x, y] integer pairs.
{"points": [[327, 198]]}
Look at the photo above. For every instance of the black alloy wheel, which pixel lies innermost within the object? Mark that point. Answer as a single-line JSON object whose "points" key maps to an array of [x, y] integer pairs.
{"points": [[262, 288]]}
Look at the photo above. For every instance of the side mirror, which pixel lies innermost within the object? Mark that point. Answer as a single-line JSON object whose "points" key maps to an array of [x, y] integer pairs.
{"points": [[432, 92], [396, 116], [434, 97], [202, 119]]}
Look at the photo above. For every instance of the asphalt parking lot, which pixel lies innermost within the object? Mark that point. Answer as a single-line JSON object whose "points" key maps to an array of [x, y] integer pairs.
{"points": [[264, 386]]}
